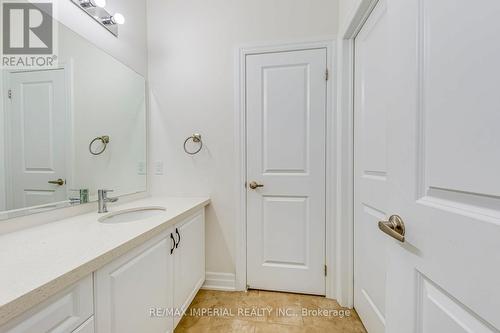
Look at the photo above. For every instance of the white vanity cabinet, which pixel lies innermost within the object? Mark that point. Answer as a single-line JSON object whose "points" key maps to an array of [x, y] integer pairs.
{"points": [[64, 312], [189, 261], [136, 292], [86, 327], [140, 291], [127, 288]]}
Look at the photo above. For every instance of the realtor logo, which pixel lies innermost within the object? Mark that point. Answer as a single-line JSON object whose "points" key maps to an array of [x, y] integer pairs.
{"points": [[27, 34], [27, 28]]}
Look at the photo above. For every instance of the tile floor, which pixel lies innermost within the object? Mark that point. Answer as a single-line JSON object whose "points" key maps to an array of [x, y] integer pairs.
{"points": [[263, 311]]}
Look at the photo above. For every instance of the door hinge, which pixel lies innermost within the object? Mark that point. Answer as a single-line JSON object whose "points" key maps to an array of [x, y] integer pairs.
{"points": [[327, 74], [326, 270], [9, 94]]}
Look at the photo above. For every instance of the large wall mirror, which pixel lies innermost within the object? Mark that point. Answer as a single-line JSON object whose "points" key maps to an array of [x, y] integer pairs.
{"points": [[48, 120]]}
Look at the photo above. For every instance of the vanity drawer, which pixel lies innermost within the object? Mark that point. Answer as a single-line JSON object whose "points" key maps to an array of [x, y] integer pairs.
{"points": [[62, 313]]}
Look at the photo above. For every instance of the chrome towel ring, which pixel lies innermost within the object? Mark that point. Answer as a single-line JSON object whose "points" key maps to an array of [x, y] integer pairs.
{"points": [[104, 139], [196, 139]]}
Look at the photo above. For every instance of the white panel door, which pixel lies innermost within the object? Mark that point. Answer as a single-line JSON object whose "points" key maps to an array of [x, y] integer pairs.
{"points": [[442, 142], [286, 121], [37, 139], [370, 118]]}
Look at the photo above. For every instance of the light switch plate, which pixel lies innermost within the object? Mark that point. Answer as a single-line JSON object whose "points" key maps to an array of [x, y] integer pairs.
{"points": [[159, 168], [141, 168]]}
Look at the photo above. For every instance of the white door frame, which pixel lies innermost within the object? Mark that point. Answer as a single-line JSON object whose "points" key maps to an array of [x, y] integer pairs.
{"points": [[344, 217], [240, 150], [340, 162], [67, 67]]}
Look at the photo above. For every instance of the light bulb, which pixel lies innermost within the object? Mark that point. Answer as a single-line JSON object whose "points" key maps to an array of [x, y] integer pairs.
{"points": [[100, 3], [118, 18]]}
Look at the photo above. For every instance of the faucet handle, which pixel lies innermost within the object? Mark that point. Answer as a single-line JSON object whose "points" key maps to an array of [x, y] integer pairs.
{"points": [[104, 195], [104, 192]]}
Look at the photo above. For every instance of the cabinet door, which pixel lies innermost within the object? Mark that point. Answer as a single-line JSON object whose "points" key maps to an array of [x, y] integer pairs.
{"points": [[86, 327], [132, 291], [61, 313], [189, 260]]}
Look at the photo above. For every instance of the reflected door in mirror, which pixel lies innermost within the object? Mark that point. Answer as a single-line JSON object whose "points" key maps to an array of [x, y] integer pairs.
{"points": [[37, 135]]}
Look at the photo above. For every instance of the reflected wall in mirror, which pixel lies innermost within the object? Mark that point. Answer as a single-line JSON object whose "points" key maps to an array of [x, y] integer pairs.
{"points": [[49, 118]]}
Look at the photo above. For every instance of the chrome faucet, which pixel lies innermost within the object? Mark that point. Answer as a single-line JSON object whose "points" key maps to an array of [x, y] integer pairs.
{"points": [[102, 196]]}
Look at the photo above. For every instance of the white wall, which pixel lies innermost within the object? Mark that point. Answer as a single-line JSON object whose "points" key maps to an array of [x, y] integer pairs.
{"points": [[130, 47], [346, 10], [191, 70]]}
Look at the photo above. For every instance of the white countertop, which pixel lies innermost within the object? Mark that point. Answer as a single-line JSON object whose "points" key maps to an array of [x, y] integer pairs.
{"points": [[38, 262]]}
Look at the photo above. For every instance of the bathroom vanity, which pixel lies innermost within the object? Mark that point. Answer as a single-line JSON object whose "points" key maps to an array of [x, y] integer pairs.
{"points": [[85, 275]]}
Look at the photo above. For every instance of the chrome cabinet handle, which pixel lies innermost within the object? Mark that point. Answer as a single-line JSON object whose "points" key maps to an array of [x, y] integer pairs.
{"points": [[395, 227], [254, 185], [59, 182]]}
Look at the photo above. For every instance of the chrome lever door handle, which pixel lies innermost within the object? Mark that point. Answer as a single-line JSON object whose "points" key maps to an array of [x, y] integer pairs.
{"points": [[395, 227], [59, 182], [254, 185]]}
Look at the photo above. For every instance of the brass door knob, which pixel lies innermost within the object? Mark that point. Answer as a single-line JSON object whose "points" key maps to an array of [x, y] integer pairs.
{"points": [[254, 185], [59, 182], [395, 227]]}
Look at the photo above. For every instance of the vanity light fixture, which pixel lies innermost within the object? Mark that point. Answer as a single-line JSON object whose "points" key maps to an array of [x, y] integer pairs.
{"points": [[115, 19], [100, 3], [92, 3], [86, 3], [119, 18], [96, 10]]}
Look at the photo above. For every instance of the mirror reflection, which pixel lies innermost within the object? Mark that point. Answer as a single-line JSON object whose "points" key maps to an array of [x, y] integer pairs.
{"points": [[69, 131]]}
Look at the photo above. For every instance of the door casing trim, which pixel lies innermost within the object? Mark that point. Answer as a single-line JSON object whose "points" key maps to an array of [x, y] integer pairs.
{"points": [[340, 147], [344, 207], [240, 151]]}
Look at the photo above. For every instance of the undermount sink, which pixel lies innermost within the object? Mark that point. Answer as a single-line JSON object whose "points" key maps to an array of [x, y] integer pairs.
{"points": [[132, 215]]}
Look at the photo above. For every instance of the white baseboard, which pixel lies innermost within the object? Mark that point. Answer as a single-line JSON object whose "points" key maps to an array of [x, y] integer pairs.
{"points": [[220, 281]]}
